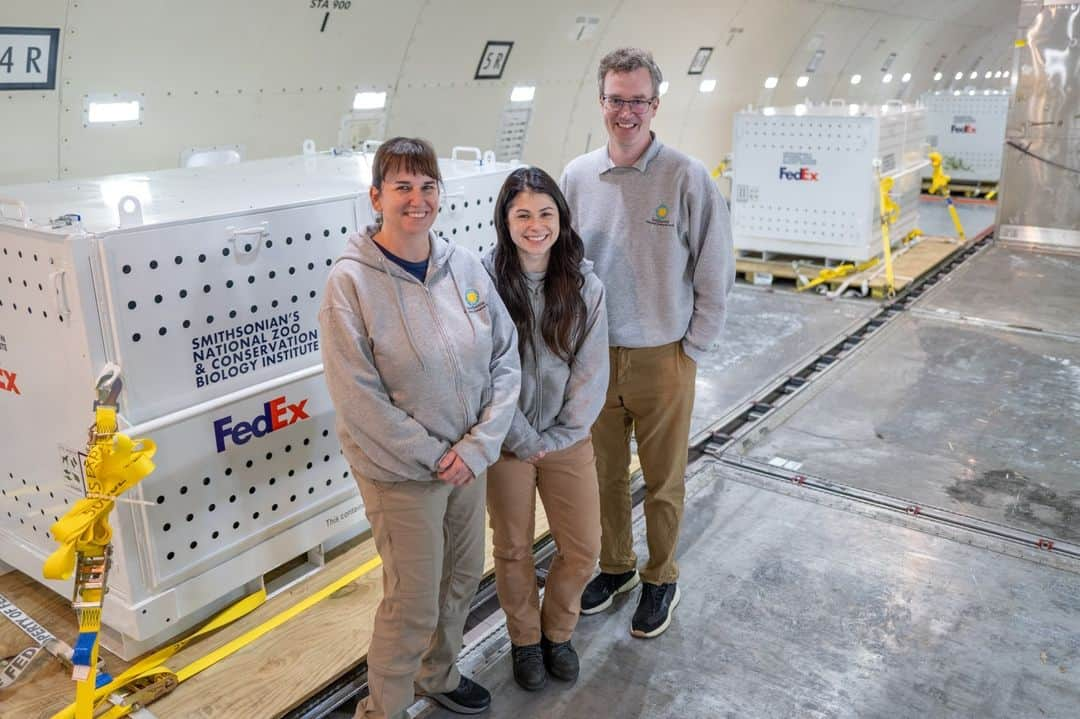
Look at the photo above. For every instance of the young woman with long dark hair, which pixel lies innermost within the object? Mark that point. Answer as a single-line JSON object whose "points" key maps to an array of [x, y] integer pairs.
{"points": [[557, 305]]}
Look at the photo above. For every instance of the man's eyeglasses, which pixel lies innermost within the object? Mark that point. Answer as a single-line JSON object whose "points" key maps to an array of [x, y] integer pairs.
{"points": [[616, 104]]}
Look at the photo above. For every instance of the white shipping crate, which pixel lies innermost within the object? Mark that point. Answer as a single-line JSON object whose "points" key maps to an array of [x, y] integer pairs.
{"points": [[969, 132], [805, 183], [203, 285]]}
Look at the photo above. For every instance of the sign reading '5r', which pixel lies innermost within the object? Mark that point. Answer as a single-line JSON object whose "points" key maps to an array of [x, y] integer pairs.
{"points": [[277, 413]]}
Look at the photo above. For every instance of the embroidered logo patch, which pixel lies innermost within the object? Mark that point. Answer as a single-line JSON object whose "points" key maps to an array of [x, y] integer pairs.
{"points": [[472, 301], [661, 216]]}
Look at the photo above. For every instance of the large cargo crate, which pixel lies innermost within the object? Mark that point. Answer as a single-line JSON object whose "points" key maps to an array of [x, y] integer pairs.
{"points": [[968, 129], [805, 179], [203, 286]]}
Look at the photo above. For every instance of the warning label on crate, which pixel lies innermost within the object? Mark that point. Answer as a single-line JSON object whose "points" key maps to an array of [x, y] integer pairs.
{"points": [[236, 351], [746, 193]]}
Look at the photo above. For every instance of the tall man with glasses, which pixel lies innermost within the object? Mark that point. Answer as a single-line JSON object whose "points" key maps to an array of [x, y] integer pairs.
{"points": [[659, 234]]}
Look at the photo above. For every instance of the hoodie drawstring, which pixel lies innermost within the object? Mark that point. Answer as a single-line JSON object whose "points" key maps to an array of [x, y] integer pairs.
{"points": [[401, 311]]}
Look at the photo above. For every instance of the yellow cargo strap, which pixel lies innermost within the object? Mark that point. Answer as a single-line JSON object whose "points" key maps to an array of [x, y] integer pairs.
{"points": [[834, 273], [890, 211], [718, 171], [114, 464], [939, 185], [151, 679]]}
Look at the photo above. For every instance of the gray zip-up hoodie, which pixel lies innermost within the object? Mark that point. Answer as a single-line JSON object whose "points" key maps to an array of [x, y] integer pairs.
{"points": [[416, 369], [559, 402]]}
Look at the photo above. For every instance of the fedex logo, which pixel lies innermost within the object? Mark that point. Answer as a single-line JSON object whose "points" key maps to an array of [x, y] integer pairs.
{"points": [[277, 413], [802, 174], [7, 382], [965, 129]]}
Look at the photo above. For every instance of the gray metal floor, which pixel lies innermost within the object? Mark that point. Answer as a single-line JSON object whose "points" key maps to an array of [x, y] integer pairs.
{"points": [[768, 332], [934, 217], [971, 418], [993, 285], [793, 609]]}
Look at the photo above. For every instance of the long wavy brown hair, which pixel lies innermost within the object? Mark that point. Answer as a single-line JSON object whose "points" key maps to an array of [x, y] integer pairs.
{"points": [[563, 323]]}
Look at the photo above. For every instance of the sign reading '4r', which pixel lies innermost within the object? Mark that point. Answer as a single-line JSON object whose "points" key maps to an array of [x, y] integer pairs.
{"points": [[28, 58]]}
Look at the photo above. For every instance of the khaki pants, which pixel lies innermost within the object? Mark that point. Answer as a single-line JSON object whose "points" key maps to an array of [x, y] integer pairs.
{"points": [[430, 536], [566, 481], [650, 393]]}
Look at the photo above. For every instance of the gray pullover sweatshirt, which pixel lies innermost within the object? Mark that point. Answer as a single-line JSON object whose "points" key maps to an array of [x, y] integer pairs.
{"points": [[559, 402], [660, 235], [416, 369]]}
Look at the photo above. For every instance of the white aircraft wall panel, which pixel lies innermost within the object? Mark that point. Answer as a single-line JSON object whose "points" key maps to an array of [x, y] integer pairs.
{"points": [[205, 293], [258, 74], [969, 132]]}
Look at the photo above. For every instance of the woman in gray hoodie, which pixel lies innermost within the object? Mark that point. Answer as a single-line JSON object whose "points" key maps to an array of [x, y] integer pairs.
{"points": [[557, 305], [421, 361]]}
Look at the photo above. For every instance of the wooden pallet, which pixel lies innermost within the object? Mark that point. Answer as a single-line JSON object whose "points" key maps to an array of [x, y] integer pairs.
{"points": [[267, 678], [908, 265]]}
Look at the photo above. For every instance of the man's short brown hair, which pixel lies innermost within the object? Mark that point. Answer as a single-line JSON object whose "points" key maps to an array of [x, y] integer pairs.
{"points": [[628, 59]]}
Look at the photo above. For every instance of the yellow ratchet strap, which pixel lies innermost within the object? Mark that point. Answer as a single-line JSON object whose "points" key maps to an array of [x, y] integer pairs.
{"points": [[939, 185], [890, 211], [151, 679], [834, 273], [114, 465]]}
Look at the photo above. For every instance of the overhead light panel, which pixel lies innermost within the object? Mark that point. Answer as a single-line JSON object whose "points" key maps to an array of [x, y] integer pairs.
{"points": [[800, 109], [973, 75], [853, 109], [988, 75], [886, 78], [1005, 74], [856, 79], [906, 77], [707, 86], [771, 82], [803, 81], [958, 76], [369, 101], [664, 87], [113, 111], [938, 76], [523, 93], [997, 75]]}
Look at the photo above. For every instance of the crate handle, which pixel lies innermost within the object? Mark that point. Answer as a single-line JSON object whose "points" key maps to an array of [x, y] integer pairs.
{"points": [[23, 216], [254, 235], [461, 148], [59, 288], [130, 211]]}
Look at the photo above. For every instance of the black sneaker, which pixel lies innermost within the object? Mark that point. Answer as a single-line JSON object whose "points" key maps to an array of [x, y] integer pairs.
{"points": [[468, 698], [529, 663], [654, 609], [560, 659], [603, 587]]}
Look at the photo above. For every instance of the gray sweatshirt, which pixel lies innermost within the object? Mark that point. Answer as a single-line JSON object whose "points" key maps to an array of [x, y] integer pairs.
{"points": [[416, 369], [660, 235], [559, 402]]}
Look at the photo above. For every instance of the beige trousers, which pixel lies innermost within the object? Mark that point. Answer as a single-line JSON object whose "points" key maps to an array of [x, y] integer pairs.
{"points": [[650, 393], [566, 481], [430, 536]]}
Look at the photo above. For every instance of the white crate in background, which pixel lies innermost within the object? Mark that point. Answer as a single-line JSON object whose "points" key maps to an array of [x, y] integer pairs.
{"points": [[203, 285], [805, 183], [969, 132]]}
